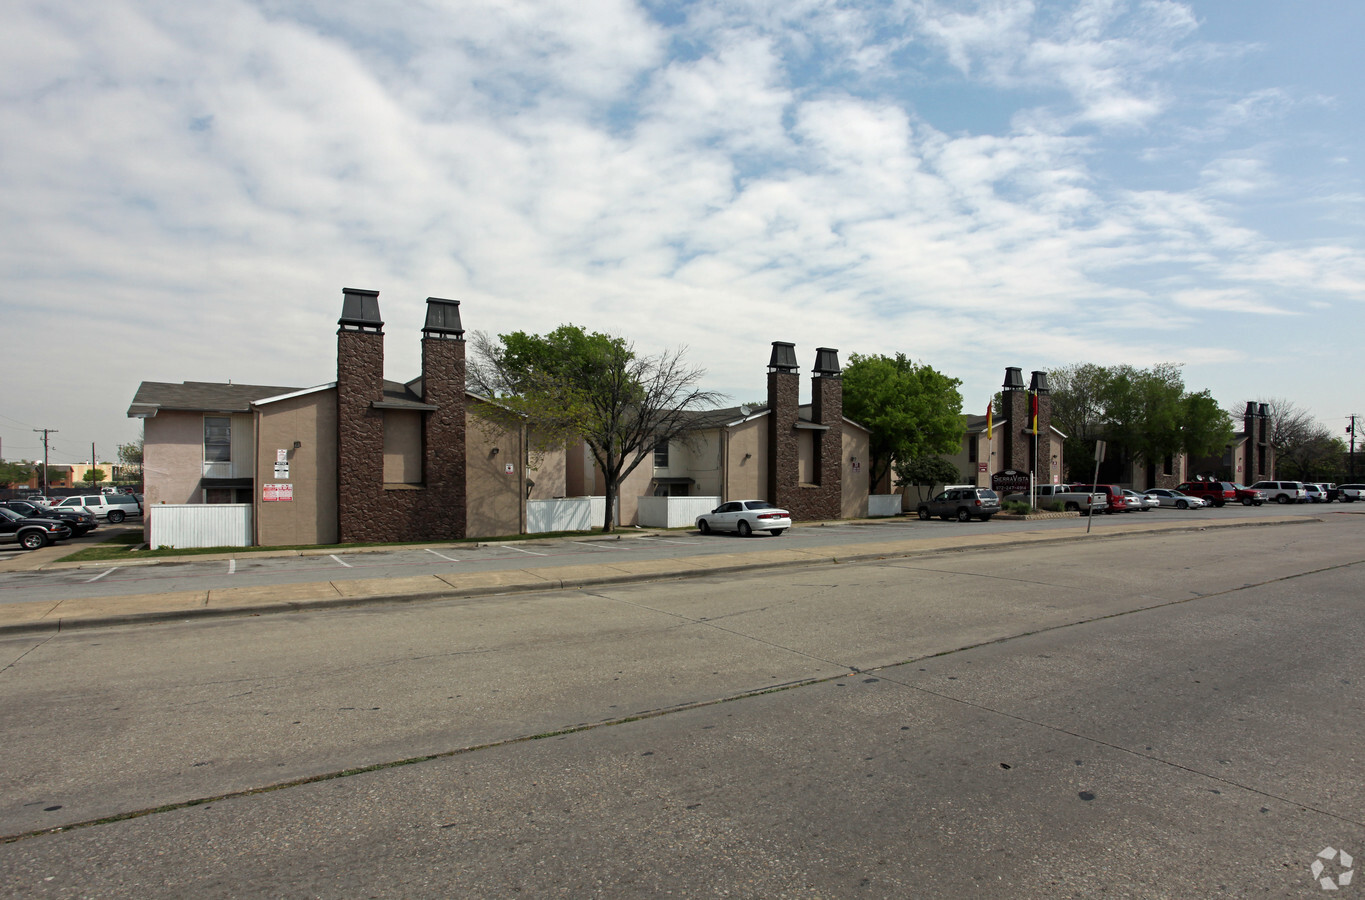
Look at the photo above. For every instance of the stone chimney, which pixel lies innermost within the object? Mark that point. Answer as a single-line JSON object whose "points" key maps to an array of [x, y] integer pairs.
{"points": [[1014, 398], [443, 387], [784, 395], [360, 427]]}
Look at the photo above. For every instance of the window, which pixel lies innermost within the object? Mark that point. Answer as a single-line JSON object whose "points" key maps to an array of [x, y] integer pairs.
{"points": [[217, 439], [972, 451], [661, 455]]}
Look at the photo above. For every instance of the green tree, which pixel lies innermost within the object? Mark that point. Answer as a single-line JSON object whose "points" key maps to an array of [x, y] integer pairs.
{"points": [[130, 454], [12, 473], [911, 409], [93, 476], [926, 471], [1146, 415], [572, 383]]}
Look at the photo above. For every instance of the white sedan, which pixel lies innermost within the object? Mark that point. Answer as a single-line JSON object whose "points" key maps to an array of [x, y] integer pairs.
{"points": [[1173, 498], [745, 517]]}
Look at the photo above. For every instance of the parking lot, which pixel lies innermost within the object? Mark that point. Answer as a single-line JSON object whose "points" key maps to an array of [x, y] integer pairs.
{"points": [[258, 569]]}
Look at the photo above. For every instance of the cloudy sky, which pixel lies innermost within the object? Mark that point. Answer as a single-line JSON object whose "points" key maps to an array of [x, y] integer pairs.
{"points": [[186, 188]]}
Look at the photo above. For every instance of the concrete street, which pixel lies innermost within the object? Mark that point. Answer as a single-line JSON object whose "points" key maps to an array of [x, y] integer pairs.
{"points": [[1157, 715]]}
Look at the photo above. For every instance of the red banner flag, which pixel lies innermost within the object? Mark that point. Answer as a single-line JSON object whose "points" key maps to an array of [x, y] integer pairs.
{"points": [[990, 421]]}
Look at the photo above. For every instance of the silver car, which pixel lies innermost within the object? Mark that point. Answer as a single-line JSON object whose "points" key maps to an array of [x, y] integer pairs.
{"points": [[1175, 499], [745, 517], [1141, 502]]}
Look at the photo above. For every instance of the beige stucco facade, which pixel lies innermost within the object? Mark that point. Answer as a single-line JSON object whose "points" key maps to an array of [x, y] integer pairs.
{"points": [[309, 515]]}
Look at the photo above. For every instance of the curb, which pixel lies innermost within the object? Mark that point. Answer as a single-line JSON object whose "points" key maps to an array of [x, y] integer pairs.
{"points": [[541, 583]]}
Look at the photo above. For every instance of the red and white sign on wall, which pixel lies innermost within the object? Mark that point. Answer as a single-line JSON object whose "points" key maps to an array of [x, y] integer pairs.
{"points": [[276, 491]]}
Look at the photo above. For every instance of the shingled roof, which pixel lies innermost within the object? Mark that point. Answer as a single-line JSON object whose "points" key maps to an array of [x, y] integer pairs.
{"points": [[200, 396]]}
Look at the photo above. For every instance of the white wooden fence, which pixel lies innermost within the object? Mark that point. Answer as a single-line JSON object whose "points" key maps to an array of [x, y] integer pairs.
{"points": [[674, 512], [565, 514], [187, 525], [884, 505]]}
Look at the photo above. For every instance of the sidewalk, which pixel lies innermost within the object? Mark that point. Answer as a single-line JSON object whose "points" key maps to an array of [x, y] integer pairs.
{"points": [[43, 617]]}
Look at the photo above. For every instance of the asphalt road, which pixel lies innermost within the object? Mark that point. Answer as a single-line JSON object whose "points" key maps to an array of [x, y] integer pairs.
{"points": [[1156, 716], [256, 570]]}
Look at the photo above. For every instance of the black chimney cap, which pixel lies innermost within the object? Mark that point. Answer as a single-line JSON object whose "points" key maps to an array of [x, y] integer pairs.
{"points": [[443, 319], [783, 358], [1251, 409], [1264, 411], [360, 311], [827, 362], [1039, 384], [1014, 379]]}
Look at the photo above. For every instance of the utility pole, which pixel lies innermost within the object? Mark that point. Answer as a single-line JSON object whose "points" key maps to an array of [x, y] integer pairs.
{"points": [[93, 483], [45, 432], [1351, 430]]}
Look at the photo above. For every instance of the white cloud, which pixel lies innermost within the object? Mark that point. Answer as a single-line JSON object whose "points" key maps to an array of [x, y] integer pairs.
{"points": [[205, 178]]}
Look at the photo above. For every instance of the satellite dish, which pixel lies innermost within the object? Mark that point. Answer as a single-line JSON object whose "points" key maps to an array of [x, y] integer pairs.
{"points": [[745, 410]]}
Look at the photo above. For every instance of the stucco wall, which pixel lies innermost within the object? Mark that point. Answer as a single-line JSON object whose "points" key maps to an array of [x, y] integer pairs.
{"points": [[494, 494], [855, 447], [311, 516], [747, 479], [173, 457], [402, 447]]}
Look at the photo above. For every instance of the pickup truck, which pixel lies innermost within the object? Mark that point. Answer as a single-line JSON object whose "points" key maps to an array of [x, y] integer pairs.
{"points": [[1072, 500]]}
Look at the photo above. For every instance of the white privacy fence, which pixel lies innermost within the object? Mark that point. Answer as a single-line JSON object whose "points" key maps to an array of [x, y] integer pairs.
{"points": [[187, 525], [674, 512], [884, 505], [565, 514]]}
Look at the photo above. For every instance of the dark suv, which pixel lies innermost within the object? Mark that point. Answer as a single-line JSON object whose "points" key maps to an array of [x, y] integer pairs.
{"points": [[1219, 493], [30, 534], [78, 521], [964, 503]]}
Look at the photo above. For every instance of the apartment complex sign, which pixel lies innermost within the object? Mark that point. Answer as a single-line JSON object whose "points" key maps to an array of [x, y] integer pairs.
{"points": [[276, 491]]}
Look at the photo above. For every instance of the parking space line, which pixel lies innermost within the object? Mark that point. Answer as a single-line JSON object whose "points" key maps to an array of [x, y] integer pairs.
{"points": [[341, 561], [528, 552], [442, 555], [101, 575], [653, 540], [232, 566]]}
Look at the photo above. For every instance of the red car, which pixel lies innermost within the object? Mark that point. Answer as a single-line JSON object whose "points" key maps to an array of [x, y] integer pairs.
{"points": [[1216, 492], [1112, 492]]}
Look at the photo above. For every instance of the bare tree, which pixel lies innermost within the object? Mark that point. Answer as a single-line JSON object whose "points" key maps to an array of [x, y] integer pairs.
{"points": [[571, 383]]}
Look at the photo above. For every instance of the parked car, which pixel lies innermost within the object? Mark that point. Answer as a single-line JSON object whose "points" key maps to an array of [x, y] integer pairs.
{"points": [[31, 534], [1249, 496], [1315, 492], [745, 517], [1140, 502], [1071, 500], [1333, 492], [1282, 491], [1350, 493], [1218, 493], [1113, 494], [113, 508], [963, 503], [79, 521], [1175, 499]]}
